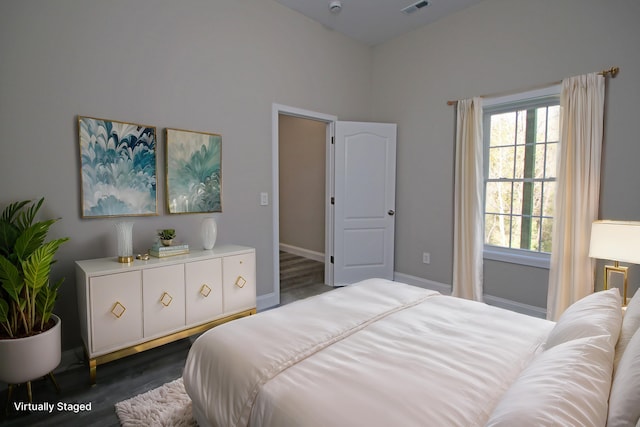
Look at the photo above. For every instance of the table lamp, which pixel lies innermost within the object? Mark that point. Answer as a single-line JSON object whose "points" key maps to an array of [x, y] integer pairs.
{"points": [[618, 241]]}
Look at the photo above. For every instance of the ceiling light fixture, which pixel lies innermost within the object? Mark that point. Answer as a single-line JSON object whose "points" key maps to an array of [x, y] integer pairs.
{"points": [[335, 6], [415, 7]]}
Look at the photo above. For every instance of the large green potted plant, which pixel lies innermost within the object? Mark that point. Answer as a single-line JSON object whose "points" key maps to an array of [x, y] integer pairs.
{"points": [[29, 332]]}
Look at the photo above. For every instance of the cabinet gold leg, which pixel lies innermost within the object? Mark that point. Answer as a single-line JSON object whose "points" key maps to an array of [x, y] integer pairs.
{"points": [[29, 392], [92, 371]]}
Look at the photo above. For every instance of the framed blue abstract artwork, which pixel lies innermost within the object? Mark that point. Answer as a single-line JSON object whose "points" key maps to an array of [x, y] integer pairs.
{"points": [[194, 174], [118, 168]]}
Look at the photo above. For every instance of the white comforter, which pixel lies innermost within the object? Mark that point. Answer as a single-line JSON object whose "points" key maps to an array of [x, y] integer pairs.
{"points": [[377, 353]]}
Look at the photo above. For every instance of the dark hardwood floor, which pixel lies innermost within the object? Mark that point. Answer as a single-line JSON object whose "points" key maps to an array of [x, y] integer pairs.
{"points": [[300, 277], [116, 381]]}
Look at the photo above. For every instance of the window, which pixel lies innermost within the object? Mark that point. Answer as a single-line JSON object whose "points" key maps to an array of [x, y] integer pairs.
{"points": [[521, 136]]}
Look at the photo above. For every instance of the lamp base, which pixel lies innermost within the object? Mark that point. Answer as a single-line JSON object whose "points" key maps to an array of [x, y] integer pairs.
{"points": [[126, 259], [609, 271]]}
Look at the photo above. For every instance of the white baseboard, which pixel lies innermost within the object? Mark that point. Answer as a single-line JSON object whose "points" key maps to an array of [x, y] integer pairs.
{"points": [[316, 256], [530, 310], [422, 283], [518, 307], [264, 302]]}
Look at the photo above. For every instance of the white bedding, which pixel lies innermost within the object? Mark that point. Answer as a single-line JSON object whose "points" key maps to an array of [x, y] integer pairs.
{"points": [[377, 353]]}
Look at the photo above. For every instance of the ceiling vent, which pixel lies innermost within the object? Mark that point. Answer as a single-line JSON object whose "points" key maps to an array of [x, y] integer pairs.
{"points": [[415, 7]]}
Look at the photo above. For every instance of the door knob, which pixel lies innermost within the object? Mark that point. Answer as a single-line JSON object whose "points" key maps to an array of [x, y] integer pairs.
{"points": [[391, 212]]}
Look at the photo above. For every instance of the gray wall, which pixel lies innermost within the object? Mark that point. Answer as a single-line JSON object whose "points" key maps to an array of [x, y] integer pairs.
{"points": [[211, 66], [302, 195], [500, 46]]}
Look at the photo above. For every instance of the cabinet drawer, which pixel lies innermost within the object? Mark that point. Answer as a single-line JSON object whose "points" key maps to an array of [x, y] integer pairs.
{"points": [[239, 282], [116, 310], [203, 290], [163, 299]]}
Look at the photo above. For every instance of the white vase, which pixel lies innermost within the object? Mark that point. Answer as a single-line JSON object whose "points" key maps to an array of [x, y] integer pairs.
{"points": [[209, 232], [27, 359]]}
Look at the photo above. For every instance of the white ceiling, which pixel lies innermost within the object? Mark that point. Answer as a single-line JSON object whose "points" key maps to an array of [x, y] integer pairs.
{"points": [[375, 21]]}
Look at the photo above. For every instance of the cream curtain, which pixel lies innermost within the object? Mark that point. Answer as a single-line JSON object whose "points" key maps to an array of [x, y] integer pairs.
{"points": [[571, 276], [468, 231]]}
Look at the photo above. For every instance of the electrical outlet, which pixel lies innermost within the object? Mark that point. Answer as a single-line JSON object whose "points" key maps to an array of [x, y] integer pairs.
{"points": [[426, 258], [264, 199]]}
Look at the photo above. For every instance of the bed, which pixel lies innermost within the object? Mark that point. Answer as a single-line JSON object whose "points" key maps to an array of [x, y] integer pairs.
{"points": [[382, 353]]}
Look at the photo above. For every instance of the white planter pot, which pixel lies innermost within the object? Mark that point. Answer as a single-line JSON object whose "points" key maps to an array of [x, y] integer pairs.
{"points": [[27, 359]]}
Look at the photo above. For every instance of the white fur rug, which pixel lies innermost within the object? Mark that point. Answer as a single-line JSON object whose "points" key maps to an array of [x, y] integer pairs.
{"points": [[168, 405]]}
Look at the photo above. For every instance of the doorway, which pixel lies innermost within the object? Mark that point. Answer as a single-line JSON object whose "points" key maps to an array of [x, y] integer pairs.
{"points": [[302, 180], [305, 233]]}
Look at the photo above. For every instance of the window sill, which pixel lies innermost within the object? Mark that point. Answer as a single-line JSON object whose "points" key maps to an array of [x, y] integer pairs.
{"points": [[517, 256]]}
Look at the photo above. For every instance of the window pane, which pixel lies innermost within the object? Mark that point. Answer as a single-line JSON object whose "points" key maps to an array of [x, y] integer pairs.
{"points": [[550, 168], [545, 243], [553, 126], [519, 166], [540, 161], [535, 233], [535, 237], [522, 126], [549, 198], [541, 124], [503, 129], [498, 197], [497, 230], [516, 225], [537, 199], [501, 162], [517, 198]]}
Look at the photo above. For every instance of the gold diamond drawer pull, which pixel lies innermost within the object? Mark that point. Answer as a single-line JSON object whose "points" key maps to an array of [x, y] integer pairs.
{"points": [[205, 291], [240, 282], [118, 309], [166, 299]]}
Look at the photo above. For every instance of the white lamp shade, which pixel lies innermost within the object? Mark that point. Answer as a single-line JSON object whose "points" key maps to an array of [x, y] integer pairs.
{"points": [[616, 241]]}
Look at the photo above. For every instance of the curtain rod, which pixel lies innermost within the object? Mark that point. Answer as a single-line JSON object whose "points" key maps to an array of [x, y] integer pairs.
{"points": [[613, 71]]}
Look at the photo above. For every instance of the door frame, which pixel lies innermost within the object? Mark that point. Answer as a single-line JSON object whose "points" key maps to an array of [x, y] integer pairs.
{"points": [[276, 110]]}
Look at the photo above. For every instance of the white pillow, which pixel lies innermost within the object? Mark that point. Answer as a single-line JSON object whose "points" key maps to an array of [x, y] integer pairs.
{"points": [[624, 401], [630, 324], [567, 385], [598, 313]]}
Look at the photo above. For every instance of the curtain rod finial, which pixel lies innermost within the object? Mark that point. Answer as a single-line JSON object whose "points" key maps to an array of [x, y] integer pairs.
{"points": [[613, 71]]}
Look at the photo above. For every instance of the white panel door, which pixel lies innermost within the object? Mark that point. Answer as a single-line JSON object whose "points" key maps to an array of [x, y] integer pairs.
{"points": [[364, 186]]}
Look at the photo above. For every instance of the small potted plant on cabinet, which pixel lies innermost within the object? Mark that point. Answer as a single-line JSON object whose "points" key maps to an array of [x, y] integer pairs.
{"points": [[30, 345], [166, 236]]}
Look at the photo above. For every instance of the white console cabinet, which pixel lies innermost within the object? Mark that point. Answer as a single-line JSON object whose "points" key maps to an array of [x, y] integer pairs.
{"points": [[125, 309]]}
